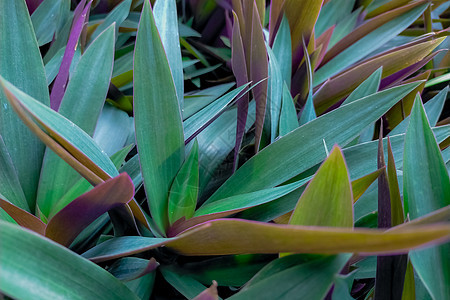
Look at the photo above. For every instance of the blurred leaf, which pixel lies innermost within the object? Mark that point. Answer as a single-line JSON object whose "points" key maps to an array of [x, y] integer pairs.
{"points": [[166, 20], [184, 190], [287, 151], [159, 131], [82, 103], [117, 15], [288, 114], [392, 61], [344, 27], [282, 50], [53, 273], [59, 86], [21, 64], [73, 218], [328, 199], [310, 280], [367, 38], [426, 188], [209, 294], [45, 19], [438, 80]]}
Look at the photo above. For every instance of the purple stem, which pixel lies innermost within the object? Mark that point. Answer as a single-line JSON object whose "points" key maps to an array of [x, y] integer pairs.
{"points": [[60, 84]]}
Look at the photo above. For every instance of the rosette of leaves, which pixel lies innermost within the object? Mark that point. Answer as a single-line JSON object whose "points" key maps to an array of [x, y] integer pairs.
{"points": [[130, 170]]}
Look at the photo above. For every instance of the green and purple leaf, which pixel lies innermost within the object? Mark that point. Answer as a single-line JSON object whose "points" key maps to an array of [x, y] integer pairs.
{"points": [[426, 188], [159, 129]]}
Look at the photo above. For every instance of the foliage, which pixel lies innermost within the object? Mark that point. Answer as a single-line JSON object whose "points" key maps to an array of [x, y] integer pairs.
{"points": [[224, 149]]}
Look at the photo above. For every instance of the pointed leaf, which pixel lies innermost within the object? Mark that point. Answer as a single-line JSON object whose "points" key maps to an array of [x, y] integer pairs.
{"points": [[328, 199], [21, 64], [274, 91], [308, 112], [117, 15], [290, 159], [367, 87], [360, 185], [159, 131], [426, 187], [282, 50], [166, 20], [184, 190], [53, 273], [288, 114]]}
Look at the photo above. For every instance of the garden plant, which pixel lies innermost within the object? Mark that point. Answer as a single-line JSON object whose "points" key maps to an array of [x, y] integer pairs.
{"points": [[224, 149]]}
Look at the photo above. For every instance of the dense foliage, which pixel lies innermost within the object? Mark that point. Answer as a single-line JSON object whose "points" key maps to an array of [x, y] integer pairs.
{"points": [[208, 149]]}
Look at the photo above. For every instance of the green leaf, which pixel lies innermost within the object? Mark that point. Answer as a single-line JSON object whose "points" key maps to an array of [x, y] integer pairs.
{"points": [[288, 114], [186, 285], [310, 280], [166, 20], [282, 50], [303, 148], [32, 263], [117, 15], [21, 64], [331, 13], [274, 91], [9, 182], [426, 187], [438, 80], [433, 109], [328, 199], [308, 112], [367, 87], [184, 190], [81, 104], [159, 131], [46, 17], [67, 140]]}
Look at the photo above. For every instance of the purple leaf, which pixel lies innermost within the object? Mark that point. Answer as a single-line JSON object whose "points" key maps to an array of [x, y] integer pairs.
{"points": [[72, 219], [22, 217], [63, 75]]}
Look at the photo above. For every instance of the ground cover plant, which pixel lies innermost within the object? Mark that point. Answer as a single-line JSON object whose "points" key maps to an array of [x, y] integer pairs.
{"points": [[215, 149]]}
